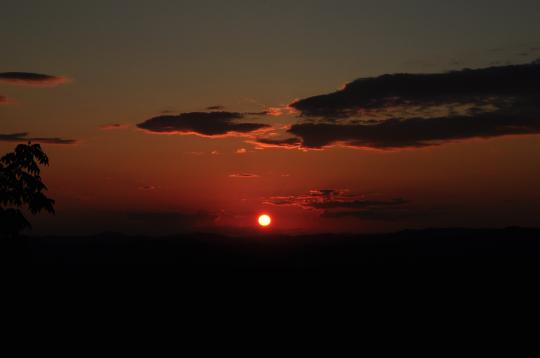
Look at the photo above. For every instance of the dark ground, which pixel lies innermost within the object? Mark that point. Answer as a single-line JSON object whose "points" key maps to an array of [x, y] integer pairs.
{"points": [[208, 251]]}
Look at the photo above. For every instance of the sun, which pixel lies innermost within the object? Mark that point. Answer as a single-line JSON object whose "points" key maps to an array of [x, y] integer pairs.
{"points": [[264, 220]]}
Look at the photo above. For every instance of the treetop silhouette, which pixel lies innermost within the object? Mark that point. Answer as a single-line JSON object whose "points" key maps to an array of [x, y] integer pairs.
{"points": [[21, 187]]}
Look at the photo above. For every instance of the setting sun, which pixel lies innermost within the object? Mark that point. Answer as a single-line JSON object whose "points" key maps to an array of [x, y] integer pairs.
{"points": [[264, 220]]}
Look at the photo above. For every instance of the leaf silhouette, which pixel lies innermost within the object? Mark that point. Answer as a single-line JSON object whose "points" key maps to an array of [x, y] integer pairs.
{"points": [[21, 186]]}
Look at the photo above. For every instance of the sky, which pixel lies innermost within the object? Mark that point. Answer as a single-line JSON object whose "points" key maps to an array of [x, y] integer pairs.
{"points": [[168, 116]]}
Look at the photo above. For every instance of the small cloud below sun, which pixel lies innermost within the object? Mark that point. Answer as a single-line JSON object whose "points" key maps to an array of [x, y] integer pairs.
{"points": [[243, 175]]}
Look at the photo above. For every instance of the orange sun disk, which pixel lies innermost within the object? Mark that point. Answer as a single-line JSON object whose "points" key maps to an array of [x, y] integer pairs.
{"points": [[264, 220]]}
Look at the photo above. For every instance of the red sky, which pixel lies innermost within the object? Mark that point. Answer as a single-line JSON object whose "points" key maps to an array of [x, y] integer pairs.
{"points": [[151, 114]]}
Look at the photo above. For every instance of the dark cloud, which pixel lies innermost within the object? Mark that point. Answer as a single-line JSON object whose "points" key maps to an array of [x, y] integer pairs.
{"points": [[215, 108], [465, 86], [23, 138], [418, 110], [32, 79], [202, 123], [421, 132], [3, 100], [331, 203]]}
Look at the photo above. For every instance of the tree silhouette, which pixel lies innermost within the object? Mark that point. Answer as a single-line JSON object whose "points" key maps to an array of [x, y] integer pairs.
{"points": [[21, 187]]}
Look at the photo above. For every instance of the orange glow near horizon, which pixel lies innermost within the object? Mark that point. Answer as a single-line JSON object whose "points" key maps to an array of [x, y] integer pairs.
{"points": [[264, 220]]}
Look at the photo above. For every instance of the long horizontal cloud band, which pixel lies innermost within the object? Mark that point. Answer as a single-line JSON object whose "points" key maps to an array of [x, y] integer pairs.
{"points": [[333, 203], [23, 137], [466, 86], [202, 123], [31, 79], [417, 132], [420, 109]]}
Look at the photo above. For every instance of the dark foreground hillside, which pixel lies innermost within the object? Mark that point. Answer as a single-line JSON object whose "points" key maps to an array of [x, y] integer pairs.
{"points": [[208, 251]]}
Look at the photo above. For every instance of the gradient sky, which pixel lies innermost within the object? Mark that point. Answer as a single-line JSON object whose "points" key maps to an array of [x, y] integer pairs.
{"points": [[125, 62]]}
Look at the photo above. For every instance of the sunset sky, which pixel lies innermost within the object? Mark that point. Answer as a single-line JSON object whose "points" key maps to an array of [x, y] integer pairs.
{"points": [[168, 116]]}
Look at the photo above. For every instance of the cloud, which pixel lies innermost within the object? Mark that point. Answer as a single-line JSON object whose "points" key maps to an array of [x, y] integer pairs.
{"points": [[32, 79], [207, 124], [23, 138], [243, 176], [420, 132], [330, 199], [112, 126], [293, 142], [215, 108], [466, 86], [332, 203], [419, 110], [275, 111], [356, 204], [241, 151], [4, 100]]}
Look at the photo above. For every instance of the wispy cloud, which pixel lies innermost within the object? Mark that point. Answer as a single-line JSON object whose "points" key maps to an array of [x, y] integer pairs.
{"points": [[333, 203], [113, 126], [32, 79], [243, 176], [291, 142], [24, 137], [215, 108]]}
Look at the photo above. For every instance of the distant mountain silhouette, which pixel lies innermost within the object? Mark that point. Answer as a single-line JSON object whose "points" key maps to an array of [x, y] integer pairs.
{"points": [[211, 251]]}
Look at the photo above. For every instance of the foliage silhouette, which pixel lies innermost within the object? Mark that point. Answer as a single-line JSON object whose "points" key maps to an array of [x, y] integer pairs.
{"points": [[21, 187]]}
